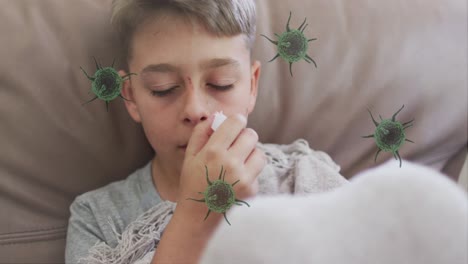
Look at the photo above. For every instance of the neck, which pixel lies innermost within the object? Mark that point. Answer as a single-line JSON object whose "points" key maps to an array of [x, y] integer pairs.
{"points": [[166, 179]]}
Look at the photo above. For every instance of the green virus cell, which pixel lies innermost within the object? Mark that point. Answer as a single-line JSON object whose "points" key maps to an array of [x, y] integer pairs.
{"points": [[106, 83], [292, 45], [389, 135], [219, 196]]}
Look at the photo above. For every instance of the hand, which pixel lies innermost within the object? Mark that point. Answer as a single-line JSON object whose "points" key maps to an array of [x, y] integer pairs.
{"points": [[231, 146]]}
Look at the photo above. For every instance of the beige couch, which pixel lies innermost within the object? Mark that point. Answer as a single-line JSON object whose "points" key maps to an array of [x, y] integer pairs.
{"points": [[378, 54]]}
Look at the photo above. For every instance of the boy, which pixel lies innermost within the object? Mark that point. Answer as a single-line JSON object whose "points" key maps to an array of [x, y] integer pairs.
{"points": [[192, 59]]}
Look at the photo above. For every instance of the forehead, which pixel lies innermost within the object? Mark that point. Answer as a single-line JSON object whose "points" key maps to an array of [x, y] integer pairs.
{"points": [[173, 40]]}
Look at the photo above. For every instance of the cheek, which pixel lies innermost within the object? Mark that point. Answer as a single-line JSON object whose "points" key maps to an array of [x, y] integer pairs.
{"points": [[158, 132], [238, 100], [243, 93], [157, 120]]}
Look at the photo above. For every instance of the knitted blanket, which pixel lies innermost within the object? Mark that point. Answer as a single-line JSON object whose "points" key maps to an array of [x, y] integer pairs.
{"points": [[292, 169]]}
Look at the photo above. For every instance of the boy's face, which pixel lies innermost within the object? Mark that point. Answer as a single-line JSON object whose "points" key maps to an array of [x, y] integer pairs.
{"points": [[184, 75]]}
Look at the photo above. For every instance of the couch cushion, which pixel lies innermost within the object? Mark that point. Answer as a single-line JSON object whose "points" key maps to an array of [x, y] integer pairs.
{"points": [[370, 54], [52, 147]]}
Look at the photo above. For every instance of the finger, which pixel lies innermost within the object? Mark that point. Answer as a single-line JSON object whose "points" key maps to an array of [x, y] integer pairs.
{"points": [[228, 131], [255, 163], [244, 144], [200, 135]]}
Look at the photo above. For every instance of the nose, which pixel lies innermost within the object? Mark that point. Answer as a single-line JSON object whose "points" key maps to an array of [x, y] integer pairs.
{"points": [[195, 108]]}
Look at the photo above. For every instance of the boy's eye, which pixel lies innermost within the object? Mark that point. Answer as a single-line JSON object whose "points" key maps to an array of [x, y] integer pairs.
{"points": [[164, 92], [171, 90], [221, 87]]}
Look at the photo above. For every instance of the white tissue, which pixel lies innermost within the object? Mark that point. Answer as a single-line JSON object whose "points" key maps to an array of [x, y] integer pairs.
{"points": [[218, 120]]}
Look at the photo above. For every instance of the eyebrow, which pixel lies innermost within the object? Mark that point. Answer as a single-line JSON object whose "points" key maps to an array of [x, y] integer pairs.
{"points": [[219, 62], [210, 64], [163, 67]]}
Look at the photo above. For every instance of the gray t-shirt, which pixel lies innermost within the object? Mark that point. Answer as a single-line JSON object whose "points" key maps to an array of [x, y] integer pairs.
{"points": [[119, 202], [97, 216]]}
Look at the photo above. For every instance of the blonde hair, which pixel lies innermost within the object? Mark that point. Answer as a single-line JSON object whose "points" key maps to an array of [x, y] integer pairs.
{"points": [[220, 17]]}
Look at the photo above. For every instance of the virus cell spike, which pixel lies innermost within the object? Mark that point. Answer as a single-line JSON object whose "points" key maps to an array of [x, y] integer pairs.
{"points": [[287, 24], [126, 77], [277, 55], [405, 127], [394, 115], [240, 201], [389, 135], [206, 173], [224, 174], [309, 58], [106, 84], [292, 44], [235, 183], [123, 97], [373, 120], [408, 124], [226, 218], [220, 173], [98, 67], [404, 124], [272, 41], [300, 27], [219, 195], [200, 200], [90, 78], [376, 154], [90, 101], [398, 154], [207, 214]]}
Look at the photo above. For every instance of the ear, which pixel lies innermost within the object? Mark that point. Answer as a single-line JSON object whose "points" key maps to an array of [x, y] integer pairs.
{"points": [[255, 76], [128, 93]]}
